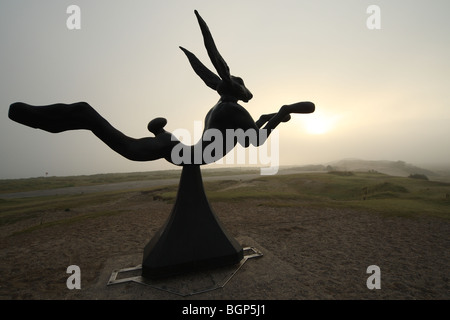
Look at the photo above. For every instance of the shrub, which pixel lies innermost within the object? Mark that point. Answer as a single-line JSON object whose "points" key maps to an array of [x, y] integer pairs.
{"points": [[418, 176], [341, 173]]}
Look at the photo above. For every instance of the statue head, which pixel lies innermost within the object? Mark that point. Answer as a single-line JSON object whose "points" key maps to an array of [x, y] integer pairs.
{"points": [[228, 86]]}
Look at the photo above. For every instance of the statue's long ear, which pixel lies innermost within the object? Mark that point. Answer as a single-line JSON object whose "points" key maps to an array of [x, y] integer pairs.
{"points": [[209, 77], [216, 59]]}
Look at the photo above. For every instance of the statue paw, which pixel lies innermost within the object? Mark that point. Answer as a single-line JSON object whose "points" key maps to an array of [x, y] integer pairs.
{"points": [[156, 126], [301, 107]]}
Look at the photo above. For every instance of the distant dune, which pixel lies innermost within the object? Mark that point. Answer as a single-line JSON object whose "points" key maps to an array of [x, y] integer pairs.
{"points": [[393, 168]]}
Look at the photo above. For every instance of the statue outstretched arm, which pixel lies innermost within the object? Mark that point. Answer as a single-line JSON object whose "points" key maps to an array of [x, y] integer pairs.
{"points": [[62, 117], [244, 120], [283, 115]]}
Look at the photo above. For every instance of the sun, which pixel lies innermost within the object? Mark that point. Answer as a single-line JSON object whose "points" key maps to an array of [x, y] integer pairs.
{"points": [[317, 124]]}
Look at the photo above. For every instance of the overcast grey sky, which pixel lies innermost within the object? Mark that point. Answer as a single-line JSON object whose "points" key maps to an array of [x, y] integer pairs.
{"points": [[379, 94]]}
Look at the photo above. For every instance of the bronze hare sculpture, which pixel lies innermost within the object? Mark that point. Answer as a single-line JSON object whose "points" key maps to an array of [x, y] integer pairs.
{"points": [[227, 114]]}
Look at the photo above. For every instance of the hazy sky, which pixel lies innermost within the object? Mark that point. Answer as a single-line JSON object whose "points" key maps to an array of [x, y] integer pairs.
{"points": [[381, 94]]}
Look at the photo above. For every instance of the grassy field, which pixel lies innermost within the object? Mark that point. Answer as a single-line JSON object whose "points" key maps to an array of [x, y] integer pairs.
{"points": [[40, 183], [371, 191], [388, 195]]}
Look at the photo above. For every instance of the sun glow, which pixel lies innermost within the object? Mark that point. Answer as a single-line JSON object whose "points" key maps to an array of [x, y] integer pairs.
{"points": [[319, 123]]}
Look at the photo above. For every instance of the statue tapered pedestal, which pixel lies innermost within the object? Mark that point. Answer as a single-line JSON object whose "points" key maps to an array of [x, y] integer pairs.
{"points": [[192, 238]]}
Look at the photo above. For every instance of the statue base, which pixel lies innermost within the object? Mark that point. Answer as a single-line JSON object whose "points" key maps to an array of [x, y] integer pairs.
{"points": [[187, 284], [192, 237]]}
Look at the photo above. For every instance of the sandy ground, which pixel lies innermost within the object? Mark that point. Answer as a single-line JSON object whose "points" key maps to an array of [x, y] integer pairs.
{"points": [[308, 254]]}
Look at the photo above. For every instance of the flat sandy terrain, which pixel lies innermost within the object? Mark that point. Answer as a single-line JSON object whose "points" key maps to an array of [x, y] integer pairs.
{"points": [[309, 253]]}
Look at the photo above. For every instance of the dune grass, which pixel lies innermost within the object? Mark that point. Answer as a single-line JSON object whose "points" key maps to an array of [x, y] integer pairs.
{"points": [[14, 210], [388, 195], [371, 191], [43, 183]]}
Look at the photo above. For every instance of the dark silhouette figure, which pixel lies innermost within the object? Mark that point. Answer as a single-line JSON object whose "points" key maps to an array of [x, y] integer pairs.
{"points": [[186, 241], [226, 114]]}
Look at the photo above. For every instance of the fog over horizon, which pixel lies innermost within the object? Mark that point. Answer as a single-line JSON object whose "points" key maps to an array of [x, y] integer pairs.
{"points": [[380, 94]]}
